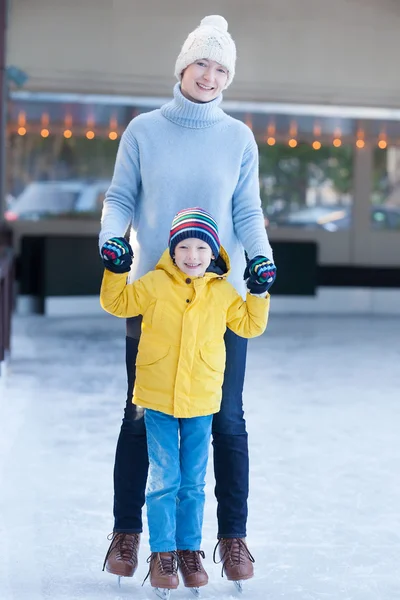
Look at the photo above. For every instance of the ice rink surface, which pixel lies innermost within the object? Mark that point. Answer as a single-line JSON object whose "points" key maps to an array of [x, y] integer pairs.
{"points": [[322, 401]]}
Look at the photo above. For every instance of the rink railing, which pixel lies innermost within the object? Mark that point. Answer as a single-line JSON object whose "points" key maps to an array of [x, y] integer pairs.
{"points": [[6, 302]]}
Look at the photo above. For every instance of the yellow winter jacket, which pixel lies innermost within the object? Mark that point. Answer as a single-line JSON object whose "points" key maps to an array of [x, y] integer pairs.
{"points": [[181, 358]]}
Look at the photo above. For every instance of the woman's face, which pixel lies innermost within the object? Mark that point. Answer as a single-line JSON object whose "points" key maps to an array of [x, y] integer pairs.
{"points": [[203, 80]]}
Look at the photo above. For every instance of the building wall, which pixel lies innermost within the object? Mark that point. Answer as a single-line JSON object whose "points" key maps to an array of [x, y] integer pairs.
{"points": [[322, 51]]}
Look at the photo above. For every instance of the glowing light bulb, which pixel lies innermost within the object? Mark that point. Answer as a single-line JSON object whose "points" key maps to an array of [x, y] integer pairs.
{"points": [[90, 134], [360, 143], [45, 133], [337, 142], [382, 144], [67, 134], [271, 141], [21, 130], [113, 135], [316, 145], [292, 143]]}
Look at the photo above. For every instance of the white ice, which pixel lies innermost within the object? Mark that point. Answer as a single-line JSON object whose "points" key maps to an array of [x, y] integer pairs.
{"points": [[323, 412]]}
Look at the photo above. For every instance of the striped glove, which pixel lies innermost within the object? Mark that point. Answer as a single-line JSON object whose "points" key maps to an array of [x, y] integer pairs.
{"points": [[259, 274], [117, 255]]}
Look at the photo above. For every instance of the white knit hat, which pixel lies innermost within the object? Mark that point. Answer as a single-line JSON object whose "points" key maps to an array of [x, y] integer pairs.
{"points": [[210, 40]]}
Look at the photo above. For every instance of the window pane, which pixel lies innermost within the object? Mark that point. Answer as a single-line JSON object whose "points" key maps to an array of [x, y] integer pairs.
{"points": [[307, 188], [385, 201], [57, 177]]}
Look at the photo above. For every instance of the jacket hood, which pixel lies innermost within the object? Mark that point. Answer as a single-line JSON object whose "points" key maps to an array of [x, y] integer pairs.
{"points": [[218, 268]]}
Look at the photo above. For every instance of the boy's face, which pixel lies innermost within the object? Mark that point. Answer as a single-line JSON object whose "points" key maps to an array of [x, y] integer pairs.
{"points": [[193, 257]]}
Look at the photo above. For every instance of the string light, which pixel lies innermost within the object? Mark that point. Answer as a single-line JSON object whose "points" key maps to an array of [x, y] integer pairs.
{"points": [[45, 132], [68, 127], [113, 134], [382, 143], [337, 142], [360, 143], [90, 134], [292, 134], [317, 134], [270, 135], [21, 123]]}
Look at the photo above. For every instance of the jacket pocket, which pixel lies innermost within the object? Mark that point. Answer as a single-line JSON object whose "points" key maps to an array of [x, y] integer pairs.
{"points": [[151, 354], [214, 357]]}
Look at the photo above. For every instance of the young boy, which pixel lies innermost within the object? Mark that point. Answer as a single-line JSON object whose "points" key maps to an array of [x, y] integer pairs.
{"points": [[186, 303]]}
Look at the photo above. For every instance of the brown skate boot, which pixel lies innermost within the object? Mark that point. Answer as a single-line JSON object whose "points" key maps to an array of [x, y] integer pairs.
{"points": [[237, 561], [163, 572], [122, 556], [191, 568]]}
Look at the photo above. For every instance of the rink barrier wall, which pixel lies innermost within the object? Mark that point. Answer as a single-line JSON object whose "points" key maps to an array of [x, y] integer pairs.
{"points": [[66, 266], [61, 275]]}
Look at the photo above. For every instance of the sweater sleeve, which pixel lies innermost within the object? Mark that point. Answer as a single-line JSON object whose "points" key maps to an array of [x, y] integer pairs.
{"points": [[248, 218], [121, 299], [121, 196], [247, 318]]}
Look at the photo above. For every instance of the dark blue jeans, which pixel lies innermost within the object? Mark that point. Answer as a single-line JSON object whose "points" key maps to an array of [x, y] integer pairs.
{"points": [[231, 457]]}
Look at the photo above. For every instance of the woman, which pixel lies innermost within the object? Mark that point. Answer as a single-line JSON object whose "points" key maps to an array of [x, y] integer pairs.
{"points": [[188, 153]]}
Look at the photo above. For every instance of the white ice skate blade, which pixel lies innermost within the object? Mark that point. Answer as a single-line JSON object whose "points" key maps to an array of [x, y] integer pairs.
{"points": [[195, 591], [162, 593], [239, 586]]}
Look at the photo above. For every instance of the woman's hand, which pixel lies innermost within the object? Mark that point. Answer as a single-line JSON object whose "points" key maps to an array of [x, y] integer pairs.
{"points": [[259, 274], [117, 254]]}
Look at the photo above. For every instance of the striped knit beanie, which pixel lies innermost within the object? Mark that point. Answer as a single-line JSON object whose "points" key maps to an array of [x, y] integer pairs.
{"points": [[194, 223]]}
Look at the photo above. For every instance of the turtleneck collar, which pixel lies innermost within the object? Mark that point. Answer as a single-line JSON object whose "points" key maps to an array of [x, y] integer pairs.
{"points": [[192, 114]]}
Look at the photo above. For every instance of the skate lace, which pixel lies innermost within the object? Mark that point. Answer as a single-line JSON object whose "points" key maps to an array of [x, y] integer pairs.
{"points": [[125, 544], [167, 565], [234, 551], [190, 560]]}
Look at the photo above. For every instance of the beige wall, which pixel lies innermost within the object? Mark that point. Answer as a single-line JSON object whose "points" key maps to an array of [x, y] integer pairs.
{"points": [[329, 51]]}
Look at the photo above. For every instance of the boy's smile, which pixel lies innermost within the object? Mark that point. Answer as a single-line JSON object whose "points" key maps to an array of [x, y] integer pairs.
{"points": [[193, 257]]}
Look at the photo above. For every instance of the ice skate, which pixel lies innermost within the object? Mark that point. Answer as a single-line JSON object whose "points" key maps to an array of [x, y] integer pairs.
{"points": [[191, 568], [122, 555], [163, 573], [239, 586], [162, 593], [237, 561]]}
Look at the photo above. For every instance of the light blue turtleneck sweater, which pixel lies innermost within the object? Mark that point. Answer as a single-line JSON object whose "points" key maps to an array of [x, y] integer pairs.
{"points": [[179, 156]]}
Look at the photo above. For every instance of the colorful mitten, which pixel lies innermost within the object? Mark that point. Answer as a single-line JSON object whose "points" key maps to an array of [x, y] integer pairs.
{"points": [[259, 274], [117, 255]]}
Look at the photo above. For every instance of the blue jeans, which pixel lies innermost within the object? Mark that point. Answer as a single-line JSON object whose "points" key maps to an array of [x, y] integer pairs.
{"points": [[178, 456], [231, 460]]}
